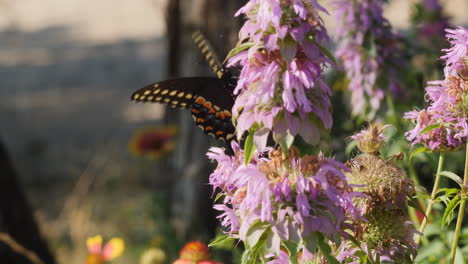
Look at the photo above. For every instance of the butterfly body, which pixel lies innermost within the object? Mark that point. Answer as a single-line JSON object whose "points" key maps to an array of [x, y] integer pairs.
{"points": [[209, 99]]}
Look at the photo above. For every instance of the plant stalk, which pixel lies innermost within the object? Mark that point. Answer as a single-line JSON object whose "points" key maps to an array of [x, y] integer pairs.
{"points": [[433, 196], [461, 212]]}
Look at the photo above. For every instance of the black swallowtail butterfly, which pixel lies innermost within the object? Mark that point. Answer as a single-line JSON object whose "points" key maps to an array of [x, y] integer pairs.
{"points": [[210, 99]]}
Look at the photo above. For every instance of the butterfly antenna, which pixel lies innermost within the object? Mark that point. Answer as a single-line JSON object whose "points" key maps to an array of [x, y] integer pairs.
{"points": [[208, 52]]}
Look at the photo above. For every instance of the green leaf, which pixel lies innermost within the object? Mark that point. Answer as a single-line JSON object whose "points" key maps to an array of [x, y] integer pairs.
{"points": [[238, 48], [448, 191], [247, 257], [254, 234], [221, 239], [418, 150], [311, 242], [429, 128], [350, 147], [324, 50], [218, 196], [249, 147], [287, 141], [413, 203], [293, 249], [326, 250], [273, 243], [452, 176], [432, 249], [448, 214], [459, 259], [258, 248]]}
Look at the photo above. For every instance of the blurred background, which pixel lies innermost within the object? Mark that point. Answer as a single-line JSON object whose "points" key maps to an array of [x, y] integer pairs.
{"points": [[71, 162]]}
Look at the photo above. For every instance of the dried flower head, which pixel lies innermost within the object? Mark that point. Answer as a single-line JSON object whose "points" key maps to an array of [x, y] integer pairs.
{"points": [[371, 139], [386, 190]]}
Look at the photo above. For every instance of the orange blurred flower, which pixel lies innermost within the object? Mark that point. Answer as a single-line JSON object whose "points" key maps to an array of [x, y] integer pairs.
{"points": [[99, 255], [153, 142], [195, 252]]}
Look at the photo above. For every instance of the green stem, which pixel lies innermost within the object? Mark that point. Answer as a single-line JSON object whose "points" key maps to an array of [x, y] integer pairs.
{"points": [[392, 112], [461, 212], [421, 202], [433, 196]]}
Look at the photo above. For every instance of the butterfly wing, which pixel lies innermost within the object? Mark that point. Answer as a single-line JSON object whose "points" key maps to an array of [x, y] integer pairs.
{"points": [[208, 52], [207, 98]]}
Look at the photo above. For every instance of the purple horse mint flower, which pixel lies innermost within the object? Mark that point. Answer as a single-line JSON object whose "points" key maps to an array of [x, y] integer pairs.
{"points": [[292, 196], [432, 20], [280, 87], [447, 112], [432, 5], [360, 23], [456, 58]]}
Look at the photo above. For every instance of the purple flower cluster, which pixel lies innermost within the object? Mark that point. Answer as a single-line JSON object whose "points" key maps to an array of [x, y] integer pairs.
{"points": [[291, 197], [280, 86], [447, 113], [457, 56], [434, 21], [369, 51]]}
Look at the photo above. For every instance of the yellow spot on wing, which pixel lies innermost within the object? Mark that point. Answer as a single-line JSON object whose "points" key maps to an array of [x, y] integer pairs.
{"points": [[189, 96], [180, 94], [183, 104], [156, 85], [136, 96], [173, 93], [150, 98], [158, 98], [147, 92], [164, 92], [157, 91], [167, 100], [174, 102]]}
